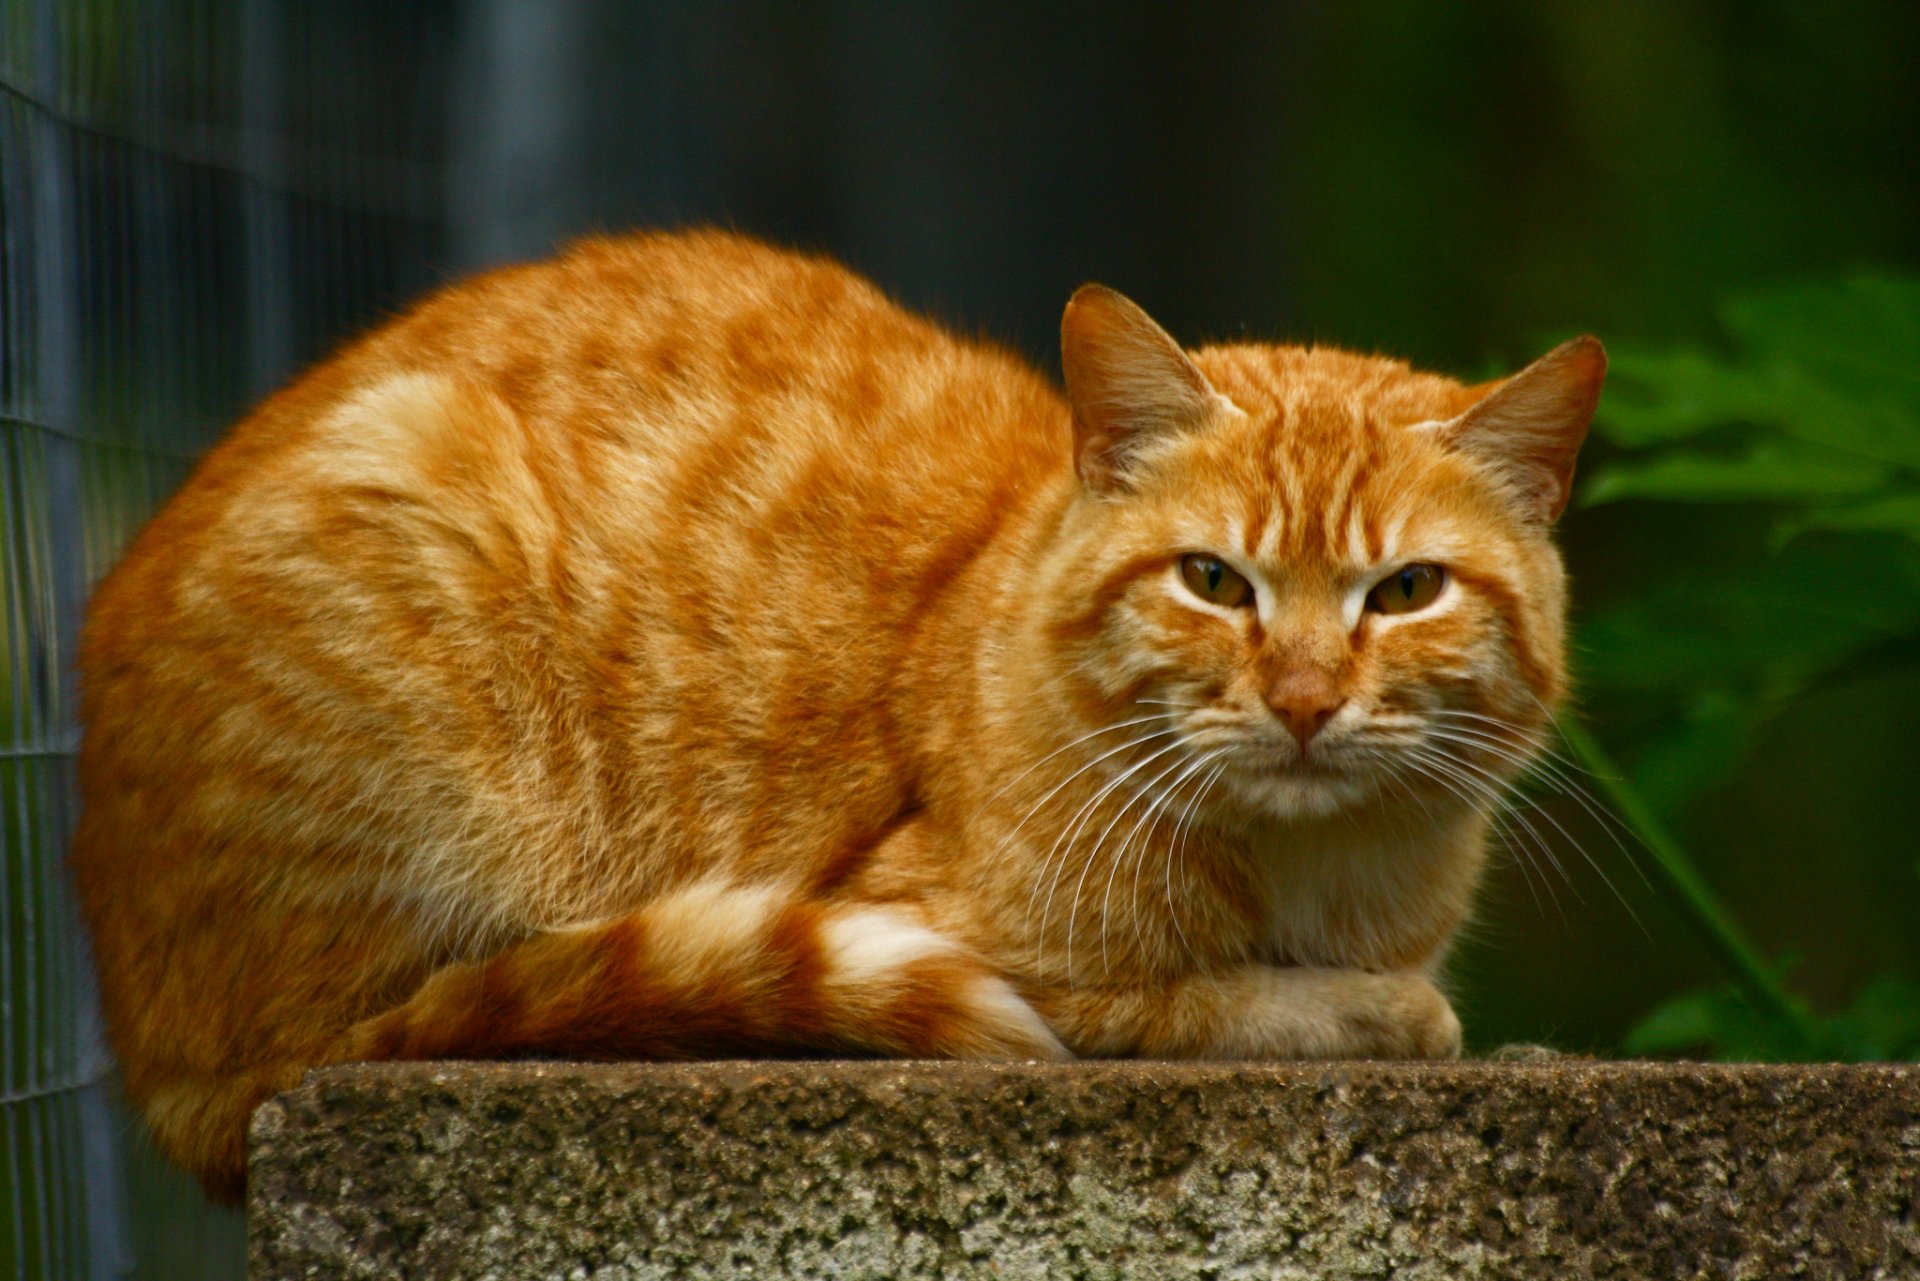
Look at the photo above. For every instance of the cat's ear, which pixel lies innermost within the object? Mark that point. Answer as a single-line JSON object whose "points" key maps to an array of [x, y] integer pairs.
{"points": [[1128, 382], [1528, 429]]}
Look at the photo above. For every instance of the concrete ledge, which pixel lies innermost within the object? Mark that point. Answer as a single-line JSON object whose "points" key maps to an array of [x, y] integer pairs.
{"points": [[1566, 1169]]}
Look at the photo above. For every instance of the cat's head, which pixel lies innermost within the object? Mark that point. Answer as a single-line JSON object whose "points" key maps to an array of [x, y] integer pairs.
{"points": [[1330, 577]]}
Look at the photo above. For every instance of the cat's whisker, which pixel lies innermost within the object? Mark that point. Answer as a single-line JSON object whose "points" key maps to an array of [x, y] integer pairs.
{"points": [[1146, 823], [1035, 808], [1070, 835], [1396, 774], [1395, 770], [1517, 852], [1609, 822], [1495, 800], [1521, 858], [1516, 766], [1553, 719], [1578, 848], [1497, 792], [1606, 817], [1149, 719], [1177, 849], [1174, 835], [1525, 768], [1536, 739], [1497, 818], [1557, 781], [1154, 794], [1538, 758], [1099, 848]]}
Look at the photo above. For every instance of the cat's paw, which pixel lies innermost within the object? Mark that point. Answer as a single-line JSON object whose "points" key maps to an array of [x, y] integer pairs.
{"points": [[1311, 1013], [1422, 1024], [1387, 1016]]}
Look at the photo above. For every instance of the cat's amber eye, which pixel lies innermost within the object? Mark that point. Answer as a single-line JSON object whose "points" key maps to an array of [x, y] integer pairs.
{"points": [[1213, 580], [1407, 589]]}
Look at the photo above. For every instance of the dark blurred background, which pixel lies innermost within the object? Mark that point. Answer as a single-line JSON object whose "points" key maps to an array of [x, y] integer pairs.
{"points": [[197, 199]]}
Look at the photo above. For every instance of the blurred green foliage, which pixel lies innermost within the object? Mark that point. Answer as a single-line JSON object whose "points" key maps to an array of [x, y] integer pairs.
{"points": [[1808, 415], [1883, 1022]]}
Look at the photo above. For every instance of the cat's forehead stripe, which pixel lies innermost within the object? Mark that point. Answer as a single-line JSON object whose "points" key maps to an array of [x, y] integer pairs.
{"points": [[1359, 545], [1319, 495]]}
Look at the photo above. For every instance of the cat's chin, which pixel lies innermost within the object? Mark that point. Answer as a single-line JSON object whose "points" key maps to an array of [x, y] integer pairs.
{"points": [[1292, 792]]}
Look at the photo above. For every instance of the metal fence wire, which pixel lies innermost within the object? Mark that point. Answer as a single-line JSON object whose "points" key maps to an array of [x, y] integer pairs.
{"points": [[195, 199]]}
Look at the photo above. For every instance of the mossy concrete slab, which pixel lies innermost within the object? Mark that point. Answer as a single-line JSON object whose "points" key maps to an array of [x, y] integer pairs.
{"points": [[1563, 1169]]}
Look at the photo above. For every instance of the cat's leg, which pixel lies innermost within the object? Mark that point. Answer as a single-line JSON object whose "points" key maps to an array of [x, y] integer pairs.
{"points": [[1262, 1012], [717, 970]]}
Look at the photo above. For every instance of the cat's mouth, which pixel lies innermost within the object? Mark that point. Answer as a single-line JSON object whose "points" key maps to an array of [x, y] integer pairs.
{"points": [[1271, 763], [1287, 784]]}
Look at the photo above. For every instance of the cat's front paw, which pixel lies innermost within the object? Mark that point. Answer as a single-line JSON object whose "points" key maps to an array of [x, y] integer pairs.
{"points": [[1302, 1012], [1390, 1016], [1424, 1024]]}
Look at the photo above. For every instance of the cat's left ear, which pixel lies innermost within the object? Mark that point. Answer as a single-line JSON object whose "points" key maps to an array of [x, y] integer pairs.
{"points": [[1128, 382], [1528, 430]]}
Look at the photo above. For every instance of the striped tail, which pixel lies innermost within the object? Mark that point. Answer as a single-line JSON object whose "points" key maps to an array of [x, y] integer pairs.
{"points": [[716, 971]]}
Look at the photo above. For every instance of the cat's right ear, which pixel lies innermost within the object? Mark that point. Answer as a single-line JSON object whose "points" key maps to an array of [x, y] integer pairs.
{"points": [[1128, 382]]}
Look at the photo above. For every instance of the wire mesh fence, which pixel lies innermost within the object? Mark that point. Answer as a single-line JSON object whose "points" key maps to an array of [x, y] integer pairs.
{"points": [[195, 199]]}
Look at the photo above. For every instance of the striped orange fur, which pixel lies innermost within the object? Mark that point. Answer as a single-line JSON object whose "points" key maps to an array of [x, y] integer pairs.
{"points": [[676, 649]]}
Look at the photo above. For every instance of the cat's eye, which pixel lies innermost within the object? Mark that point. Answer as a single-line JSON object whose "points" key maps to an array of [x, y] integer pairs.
{"points": [[1214, 581], [1407, 589]]}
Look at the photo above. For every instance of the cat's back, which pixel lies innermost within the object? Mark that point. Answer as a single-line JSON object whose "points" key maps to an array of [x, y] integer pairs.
{"points": [[661, 488], [662, 386], [698, 377], [638, 337]]}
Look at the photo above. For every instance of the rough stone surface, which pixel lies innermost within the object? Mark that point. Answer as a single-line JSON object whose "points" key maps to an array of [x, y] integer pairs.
{"points": [[1565, 1169]]}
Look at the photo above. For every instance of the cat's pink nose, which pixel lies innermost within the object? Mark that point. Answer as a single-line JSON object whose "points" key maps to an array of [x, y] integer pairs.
{"points": [[1305, 700]]}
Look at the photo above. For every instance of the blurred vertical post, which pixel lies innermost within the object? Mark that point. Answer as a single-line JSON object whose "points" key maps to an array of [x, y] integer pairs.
{"points": [[517, 128], [263, 94]]}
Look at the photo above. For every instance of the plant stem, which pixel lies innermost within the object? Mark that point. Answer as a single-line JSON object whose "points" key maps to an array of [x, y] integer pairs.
{"points": [[1687, 889]]}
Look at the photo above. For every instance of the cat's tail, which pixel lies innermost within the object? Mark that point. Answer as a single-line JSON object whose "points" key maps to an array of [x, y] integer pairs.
{"points": [[715, 971], [710, 971]]}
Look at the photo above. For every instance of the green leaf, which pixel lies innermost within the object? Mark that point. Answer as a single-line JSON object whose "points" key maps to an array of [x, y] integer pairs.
{"points": [[1724, 1025], [1655, 398], [1690, 1022], [1808, 417], [1895, 513], [1831, 364], [1770, 469], [1761, 628], [1865, 421], [1859, 333], [1884, 1021]]}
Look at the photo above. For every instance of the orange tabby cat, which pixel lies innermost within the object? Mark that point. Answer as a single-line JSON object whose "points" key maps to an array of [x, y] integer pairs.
{"points": [[678, 650]]}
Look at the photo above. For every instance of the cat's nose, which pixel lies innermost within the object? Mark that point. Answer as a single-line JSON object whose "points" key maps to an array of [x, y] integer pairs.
{"points": [[1305, 699]]}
